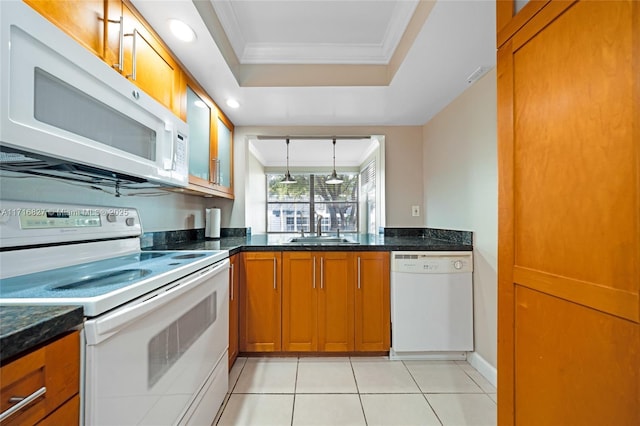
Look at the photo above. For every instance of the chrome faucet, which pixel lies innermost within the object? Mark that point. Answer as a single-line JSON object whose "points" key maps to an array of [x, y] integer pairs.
{"points": [[319, 225]]}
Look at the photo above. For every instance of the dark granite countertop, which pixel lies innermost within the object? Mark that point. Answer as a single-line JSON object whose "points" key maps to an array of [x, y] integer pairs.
{"points": [[23, 327], [280, 243]]}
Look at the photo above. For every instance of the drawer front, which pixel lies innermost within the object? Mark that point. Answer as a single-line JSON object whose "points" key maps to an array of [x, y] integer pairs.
{"points": [[40, 381]]}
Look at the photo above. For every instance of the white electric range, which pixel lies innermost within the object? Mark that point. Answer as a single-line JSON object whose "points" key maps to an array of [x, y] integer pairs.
{"points": [[156, 328]]}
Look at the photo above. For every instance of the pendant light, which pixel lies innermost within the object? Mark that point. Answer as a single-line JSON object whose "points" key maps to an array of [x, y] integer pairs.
{"points": [[334, 179], [287, 177]]}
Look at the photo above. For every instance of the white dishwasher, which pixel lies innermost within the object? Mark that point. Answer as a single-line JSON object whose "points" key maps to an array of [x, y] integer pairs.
{"points": [[431, 304]]}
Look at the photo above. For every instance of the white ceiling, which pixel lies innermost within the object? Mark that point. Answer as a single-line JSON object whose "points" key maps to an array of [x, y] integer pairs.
{"points": [[320, 32], [457, 37]]}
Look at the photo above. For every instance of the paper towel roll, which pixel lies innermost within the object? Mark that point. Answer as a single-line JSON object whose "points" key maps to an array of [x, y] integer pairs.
{"points": [[207, 222], [214, 224]]}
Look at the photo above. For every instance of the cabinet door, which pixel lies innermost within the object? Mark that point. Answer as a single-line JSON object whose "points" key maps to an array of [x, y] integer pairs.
{"points": [[234, 288], [372, 302], [260, 309], [148, 64], [335, 289], [569, 221], [299, 301], [200, 130], [223, 173], [82, 20]]}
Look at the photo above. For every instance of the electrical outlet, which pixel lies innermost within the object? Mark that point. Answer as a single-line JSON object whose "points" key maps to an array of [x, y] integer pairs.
{"points": [[415, 211]]}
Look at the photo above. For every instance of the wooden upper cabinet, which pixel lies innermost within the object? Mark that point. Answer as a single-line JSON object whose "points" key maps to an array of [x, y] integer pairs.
{"points": [[116, 33], [260, 306], [147, 63], [372, 302], [83, 20]]}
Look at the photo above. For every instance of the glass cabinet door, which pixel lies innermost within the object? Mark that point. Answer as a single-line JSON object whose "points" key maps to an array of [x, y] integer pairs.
{"points": [[199, 120], [224, 155]]}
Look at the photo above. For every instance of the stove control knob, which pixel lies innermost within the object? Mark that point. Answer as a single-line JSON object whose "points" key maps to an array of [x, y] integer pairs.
{"points": [[111, 217], [130, 221], [457, 264]]}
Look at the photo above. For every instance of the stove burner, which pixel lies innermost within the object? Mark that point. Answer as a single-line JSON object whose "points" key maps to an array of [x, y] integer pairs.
{"points": [[188, 256], [105, 279], [151, 255]]}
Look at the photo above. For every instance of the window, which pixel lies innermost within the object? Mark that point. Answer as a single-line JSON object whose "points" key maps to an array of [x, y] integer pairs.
{"points": [[296, 207]]}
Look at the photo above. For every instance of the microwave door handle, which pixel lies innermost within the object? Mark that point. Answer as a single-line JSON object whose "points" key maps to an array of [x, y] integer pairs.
{"points": [[171, 164]]}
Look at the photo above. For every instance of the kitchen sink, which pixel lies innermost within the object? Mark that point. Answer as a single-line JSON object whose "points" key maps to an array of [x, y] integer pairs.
{"points": [[322, 240]]}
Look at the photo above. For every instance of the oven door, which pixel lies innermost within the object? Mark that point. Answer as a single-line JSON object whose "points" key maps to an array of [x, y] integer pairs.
{"points": [[147, 362]]}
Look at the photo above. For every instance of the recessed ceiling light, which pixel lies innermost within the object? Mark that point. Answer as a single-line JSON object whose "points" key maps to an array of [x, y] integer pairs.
{"points": [[181, 30], [232, 103]]}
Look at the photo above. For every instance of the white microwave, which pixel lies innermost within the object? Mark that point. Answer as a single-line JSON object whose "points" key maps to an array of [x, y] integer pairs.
{"points": [[60, 101]]}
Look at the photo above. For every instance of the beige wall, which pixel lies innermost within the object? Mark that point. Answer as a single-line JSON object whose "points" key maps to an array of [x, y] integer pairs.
{"points": [[461, 192], [403, 174]]}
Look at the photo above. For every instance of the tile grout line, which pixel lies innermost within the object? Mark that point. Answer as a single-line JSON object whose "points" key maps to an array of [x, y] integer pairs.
{"points": [[364, 415], [229, 393], [424, 395], [295, 390]]}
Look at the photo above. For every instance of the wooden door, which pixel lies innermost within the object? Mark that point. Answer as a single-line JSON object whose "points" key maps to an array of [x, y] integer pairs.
{"points": [[149, 66], [299, 301], [82, 20], [569, 221], [260, 308], [234, 292], [336, 302], [372, 302]]}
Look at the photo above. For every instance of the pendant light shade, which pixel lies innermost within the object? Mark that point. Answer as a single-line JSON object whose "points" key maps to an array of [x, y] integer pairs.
{"points": [[287, 177], [334, 179]]}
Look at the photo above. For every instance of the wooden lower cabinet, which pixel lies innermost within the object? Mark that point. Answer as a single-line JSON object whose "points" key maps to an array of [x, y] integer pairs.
{"points": [[234, 318], [54, 367], [260, 303], [317, 302], [372, 302]]}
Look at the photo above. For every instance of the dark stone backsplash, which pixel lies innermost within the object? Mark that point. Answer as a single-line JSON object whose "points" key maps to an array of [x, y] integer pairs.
{"points": [[166, 238], [453, 236]]}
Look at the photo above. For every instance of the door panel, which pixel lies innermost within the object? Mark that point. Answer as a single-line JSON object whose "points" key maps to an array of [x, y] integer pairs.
{"points": [[584, 372], [575, 160], [299, 302], [260, 315], [335, 303], [372, 302]]}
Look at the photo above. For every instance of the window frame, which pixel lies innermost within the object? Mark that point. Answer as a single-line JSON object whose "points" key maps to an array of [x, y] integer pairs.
{"points": [[312, 201]]}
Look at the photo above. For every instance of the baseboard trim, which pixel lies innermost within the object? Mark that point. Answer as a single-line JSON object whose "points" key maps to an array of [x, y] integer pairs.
{"points": [[487, 370]]}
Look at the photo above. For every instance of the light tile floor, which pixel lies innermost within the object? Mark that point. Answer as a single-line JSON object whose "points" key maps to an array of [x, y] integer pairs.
{"points": [[356, 391]]}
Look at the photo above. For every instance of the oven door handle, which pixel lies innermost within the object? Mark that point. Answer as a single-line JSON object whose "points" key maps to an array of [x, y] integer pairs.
{"points": [[108, 324]]}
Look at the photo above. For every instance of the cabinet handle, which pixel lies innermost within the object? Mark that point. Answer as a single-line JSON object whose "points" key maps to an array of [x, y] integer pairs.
{"points": [[120, 65], [215, 171], [274, 274], [321, 272], [134, 55], [22, 402], [358, 272], [231, 282], [314, 272]]}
